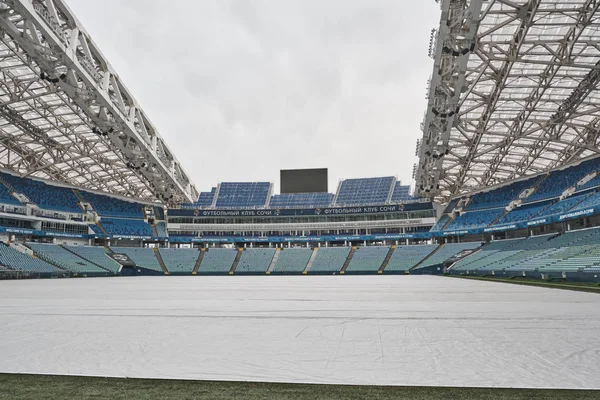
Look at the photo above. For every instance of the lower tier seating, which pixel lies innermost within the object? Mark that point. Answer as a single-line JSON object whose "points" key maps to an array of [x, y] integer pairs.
{"points": [[292, 260], [255, 261], [447, 251], [576, 251], [217, 261], [142, 257], [15, 260], [65, 259], [406, 257], [180, 260], [367, 259], [97, 255], [329, 259]]}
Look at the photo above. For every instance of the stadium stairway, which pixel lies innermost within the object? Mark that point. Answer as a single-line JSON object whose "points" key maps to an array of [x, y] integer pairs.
{"points": [[348, 259], [386, 260], [273, 261], [161, 262], [426, 258], [447, 222], [236, 261], [84, 258], [198, 261], [310, 261], [154, 231]]}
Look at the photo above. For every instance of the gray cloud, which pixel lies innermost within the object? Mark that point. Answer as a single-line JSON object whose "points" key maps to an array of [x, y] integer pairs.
{"points": [[240, 89]]}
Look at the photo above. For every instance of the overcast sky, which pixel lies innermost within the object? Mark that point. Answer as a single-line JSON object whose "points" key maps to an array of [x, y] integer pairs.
{"points": [[242, 88]]}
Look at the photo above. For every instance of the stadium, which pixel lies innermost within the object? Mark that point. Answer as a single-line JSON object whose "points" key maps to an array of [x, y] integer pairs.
{"points": [[113, 264]]}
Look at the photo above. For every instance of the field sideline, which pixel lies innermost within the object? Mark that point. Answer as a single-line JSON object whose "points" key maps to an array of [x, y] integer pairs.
{"points": [[577, 286], [71, 387]]}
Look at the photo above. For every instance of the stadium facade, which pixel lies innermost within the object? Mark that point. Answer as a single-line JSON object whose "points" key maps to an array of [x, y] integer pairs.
{"points": [[507, 180]]}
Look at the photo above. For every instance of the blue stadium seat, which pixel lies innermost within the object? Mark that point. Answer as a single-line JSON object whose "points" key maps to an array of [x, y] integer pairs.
{"points": [[559, 181], [243, 194], [129, 227], [48, 197], [364, 191], [6, 197], [475, 219], [401, 193], [205, 199], [300, 200], [500, 197], [107, 206]]}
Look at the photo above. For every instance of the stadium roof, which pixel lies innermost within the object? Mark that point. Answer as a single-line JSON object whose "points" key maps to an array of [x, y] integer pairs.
{"points": [[66, 115], [514, 92]]}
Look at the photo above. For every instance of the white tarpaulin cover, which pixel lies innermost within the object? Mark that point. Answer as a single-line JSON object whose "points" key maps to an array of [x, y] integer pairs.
{"points": [[379, 330]]}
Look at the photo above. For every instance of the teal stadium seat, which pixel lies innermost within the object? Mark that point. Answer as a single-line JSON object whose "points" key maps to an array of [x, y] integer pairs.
{"points": [[255, 261], [180, 260], [142, 257], [217, 261], [329, 259], [367, 259], [292, 260], [65, 259], [406, 257]]}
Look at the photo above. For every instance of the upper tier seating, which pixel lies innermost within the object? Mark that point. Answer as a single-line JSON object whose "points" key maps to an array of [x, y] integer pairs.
{"points": [[180, 260], [217, 261], [205, 199], [500, 197], [18, 261], [130, 227], [447, 251], [475, 219], [441, 222], [401, 193], [300, 200], [142, 257], [255, 260], [292, 260], [329, 259], [406, 257], [560, 207], [111, 207], [367, 259], [96, 255], [243, 194], [45, 196], [6, 197], [364, 191], [593, 200], [558, 181], [524, 213], [65, 259]]}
